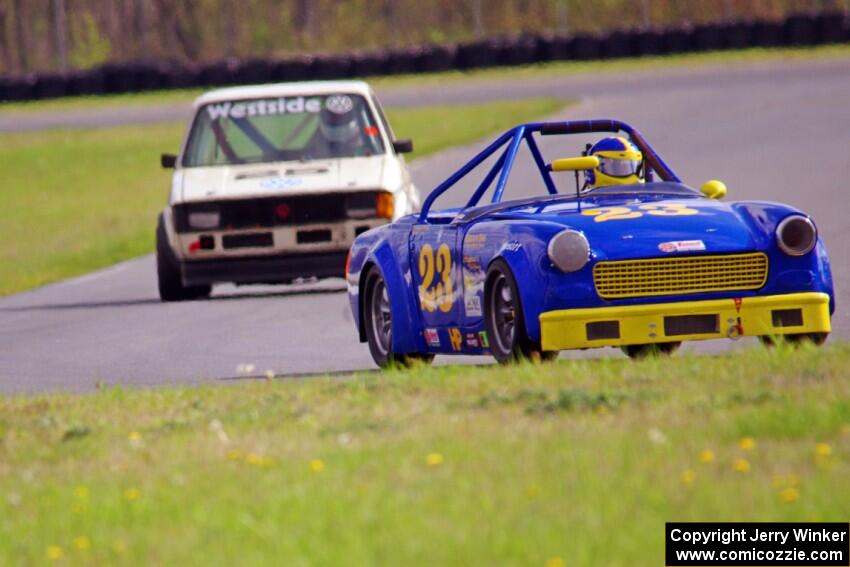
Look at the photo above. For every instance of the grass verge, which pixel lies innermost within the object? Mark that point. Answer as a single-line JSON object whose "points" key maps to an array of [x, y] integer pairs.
{"points": [[558, 68], [579, 461], [78, 200]]}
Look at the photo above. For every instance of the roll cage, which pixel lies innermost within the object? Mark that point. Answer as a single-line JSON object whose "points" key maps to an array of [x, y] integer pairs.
{"points": [[514, 138]]}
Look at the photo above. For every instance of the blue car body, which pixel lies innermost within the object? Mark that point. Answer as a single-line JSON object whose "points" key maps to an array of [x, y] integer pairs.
{"points": [[665, 262]]}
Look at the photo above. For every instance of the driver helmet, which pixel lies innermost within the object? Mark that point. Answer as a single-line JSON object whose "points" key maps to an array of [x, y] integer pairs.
{"points": [[337, 119], [619, 163]]}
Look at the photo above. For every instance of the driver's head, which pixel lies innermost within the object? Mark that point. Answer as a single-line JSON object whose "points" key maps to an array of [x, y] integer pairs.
{"points": [[619, 163], [337, 120]]}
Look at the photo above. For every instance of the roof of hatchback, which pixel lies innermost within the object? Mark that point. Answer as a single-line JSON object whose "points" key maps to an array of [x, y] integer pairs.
{"points": [[306, 88]]}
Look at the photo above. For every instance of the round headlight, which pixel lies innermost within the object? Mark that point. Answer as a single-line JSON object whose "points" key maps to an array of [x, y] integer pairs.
{"points": [[796, 235], [569, 250]]}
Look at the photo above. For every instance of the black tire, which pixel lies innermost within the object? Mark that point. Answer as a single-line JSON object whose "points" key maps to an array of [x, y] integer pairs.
{"points": [[504, 319], [377, 319], [169, 280], [794, 339], [638, 352]]}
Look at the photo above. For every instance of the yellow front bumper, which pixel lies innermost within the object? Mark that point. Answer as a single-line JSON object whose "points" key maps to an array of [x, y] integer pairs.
{"points": [[685, 321]]}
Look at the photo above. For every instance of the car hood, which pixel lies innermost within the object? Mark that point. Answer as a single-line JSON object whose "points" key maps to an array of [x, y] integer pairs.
{"points": [[620, 227], [266, 179]]}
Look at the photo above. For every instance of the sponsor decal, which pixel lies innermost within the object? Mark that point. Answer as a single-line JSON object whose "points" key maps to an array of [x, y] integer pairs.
{"points": [[512, 245], [682, 246], [277, 183], [475, 241], [264, 107], [472, 303], [339, 104], [456, 339], [473, 285], [432, 337], [483, 340], [472, 340]]}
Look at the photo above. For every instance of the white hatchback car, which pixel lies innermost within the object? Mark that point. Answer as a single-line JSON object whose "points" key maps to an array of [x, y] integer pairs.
{"points": [[273, 183]]}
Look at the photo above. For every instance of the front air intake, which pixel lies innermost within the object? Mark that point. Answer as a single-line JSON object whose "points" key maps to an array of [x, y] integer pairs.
{"points": [[681, 275]]}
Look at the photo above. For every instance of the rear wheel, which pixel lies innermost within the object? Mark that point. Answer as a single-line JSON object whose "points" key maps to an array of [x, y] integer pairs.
{"points": [[656, 349], [504, 319], [169, 279], [378, 321]]}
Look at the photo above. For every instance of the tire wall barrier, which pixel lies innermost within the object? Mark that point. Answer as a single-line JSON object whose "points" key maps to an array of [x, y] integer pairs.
{"points": [[115, 78]]}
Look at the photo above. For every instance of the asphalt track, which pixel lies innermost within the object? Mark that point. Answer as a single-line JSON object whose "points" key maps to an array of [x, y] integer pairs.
{"points": [[773, 132]]}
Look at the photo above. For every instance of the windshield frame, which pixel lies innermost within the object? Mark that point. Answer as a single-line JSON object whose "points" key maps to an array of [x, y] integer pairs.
{"points": [[200, 108]]}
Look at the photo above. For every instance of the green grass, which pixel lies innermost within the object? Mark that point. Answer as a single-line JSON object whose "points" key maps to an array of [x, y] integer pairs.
{"points": [[78, 200], [558, 68], [580, 460]]}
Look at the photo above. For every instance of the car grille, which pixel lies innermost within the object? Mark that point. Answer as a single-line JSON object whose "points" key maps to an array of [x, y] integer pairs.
{"points": [[686, 274], [269, 212]]}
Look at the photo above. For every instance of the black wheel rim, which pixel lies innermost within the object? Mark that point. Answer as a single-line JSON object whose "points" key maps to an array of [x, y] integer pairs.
{"points": [[503, 313], [381, 317]]}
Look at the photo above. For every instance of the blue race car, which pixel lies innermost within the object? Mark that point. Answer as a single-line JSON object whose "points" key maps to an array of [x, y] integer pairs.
{"points": [[633, 259]]}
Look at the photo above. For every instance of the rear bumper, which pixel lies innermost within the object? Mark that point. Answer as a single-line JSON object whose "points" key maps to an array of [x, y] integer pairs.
{"points": [[685, 321], [263, 269]]}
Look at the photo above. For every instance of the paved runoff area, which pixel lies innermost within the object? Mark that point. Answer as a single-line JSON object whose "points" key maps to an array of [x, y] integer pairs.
{"points": [[771, 131]]}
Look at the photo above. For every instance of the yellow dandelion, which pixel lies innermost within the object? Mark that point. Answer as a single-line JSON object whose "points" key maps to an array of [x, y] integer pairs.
{"points": [[689, 476], [434, 459], [532, 491], [82, 543], [54, 552], [233, 455], [823, 450], [119, 546], [317, 465], [134, 436], [742, 465], [789, 494], [555, 562], [132, 494], [81, 492], [706, 456], [747, 443]]}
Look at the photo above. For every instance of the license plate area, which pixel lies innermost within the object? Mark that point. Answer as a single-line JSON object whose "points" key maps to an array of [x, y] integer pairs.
{"points": [[678, 325], [251, 240], [313, 236]]}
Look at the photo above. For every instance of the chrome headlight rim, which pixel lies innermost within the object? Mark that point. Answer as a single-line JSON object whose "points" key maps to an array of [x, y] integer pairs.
{"points": [[573, 259], [785, 247]]}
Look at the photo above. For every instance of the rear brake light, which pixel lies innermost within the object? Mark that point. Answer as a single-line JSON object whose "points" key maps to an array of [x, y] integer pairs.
{"points": [[385, 206]]}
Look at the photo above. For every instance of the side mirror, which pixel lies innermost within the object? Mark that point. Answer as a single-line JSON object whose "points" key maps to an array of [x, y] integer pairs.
{"points": [[713, 189], [403, 146], [575, 163], [168, 161]]}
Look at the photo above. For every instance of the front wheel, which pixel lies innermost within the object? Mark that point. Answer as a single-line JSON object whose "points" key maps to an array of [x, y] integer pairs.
{"points": [[794, 339], [378, 320], [504, 319], [638, 352], [169, 280]]}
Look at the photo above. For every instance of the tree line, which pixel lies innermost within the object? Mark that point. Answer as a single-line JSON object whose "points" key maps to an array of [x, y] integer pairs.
{"points": [[64, 35]]}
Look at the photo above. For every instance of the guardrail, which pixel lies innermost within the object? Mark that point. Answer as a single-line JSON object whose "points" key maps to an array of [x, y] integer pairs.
{"points": [[115, 78]]}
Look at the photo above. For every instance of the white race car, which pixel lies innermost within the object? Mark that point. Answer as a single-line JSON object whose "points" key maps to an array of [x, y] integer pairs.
{"points": [[273, 183]]}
